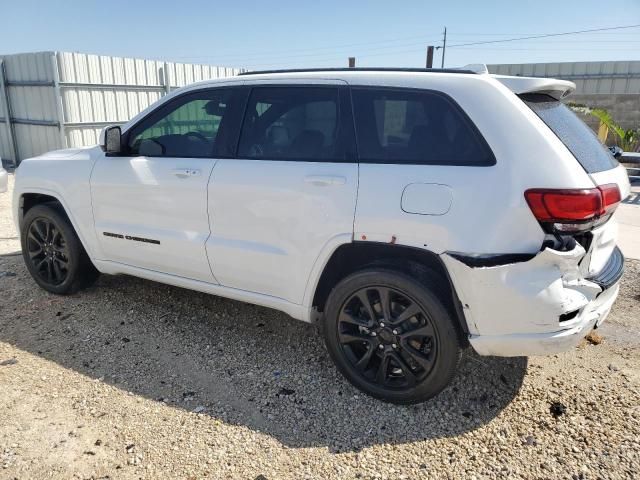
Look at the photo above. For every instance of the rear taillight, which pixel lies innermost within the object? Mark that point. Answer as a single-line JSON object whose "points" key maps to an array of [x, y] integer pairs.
{"points": [[573, 210], [610, 197]]}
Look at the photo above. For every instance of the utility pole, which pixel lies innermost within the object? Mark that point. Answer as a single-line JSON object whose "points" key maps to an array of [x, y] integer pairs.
{"points": [[444, 46], [352, 62], [430, 56]]}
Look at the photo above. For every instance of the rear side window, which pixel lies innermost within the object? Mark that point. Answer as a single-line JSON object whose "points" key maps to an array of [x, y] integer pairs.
{"points": [[292, 123], [573, 132], [417, 127]]}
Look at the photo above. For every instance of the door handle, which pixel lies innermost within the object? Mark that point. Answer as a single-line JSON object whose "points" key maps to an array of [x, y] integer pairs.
{"points": [[325, 180], [185, 172]]}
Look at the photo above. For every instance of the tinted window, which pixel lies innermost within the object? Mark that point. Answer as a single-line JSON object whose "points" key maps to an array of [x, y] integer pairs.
{"points": [[573, 132], [410, 126], [194, 125], [295, 123]]}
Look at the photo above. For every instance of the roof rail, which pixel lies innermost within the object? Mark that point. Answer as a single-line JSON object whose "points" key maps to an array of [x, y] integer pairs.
{"points": [[463, 70]]}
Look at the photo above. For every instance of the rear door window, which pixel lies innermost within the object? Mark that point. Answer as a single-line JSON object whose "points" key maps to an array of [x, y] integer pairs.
{"points": [[581, 141], [416, 127], [293, 123]]}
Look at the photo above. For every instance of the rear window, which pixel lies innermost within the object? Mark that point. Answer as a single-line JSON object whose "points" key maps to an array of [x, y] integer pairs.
{"points": [[415, 127], [573, 132]]}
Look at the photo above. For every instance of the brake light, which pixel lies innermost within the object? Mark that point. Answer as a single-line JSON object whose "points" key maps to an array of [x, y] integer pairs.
{"points": [[610, 197], [573, 210]]}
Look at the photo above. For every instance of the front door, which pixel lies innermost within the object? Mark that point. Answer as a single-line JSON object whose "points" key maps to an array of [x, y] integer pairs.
{"points": [[150, 204], [290, 192]]}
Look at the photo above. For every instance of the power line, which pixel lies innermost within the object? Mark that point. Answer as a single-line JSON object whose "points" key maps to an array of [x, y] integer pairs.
{"points": [[327, 57], [329, 47], [530, 49], [583, 41], [503, 34], [546, 35], [329, 52], [319, 54], [381, 50]]}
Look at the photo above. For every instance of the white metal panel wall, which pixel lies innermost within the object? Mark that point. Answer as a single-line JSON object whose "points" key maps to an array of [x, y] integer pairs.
{"points": [[35, 140], [5, 143], [32, 96], [33, 103], [102, 90], [64, 99], [181, 74], [591, 78], [6, 150]]}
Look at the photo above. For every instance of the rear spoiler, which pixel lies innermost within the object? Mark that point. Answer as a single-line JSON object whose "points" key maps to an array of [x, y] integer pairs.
{"points": [[557, 89]]}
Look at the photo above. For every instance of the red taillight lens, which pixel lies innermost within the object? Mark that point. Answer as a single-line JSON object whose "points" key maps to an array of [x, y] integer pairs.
{"points": [[610, 197], [564, 205], [573, 209]]}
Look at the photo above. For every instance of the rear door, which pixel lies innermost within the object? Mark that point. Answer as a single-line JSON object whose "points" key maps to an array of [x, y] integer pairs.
{"points": [[290, 192], [150, 203]]}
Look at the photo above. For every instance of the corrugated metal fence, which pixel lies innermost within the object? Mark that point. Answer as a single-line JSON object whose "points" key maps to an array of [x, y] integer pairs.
{"points": [[52, 100], [591, 78]]}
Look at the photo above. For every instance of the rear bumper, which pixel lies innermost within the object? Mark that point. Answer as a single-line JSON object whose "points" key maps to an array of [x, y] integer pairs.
{"points": [[516, 345], [539, 306], [612, 271]]}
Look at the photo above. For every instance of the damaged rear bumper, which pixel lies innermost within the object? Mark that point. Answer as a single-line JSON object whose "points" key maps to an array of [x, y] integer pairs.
{"points": [[515, 345], [540, 306]]}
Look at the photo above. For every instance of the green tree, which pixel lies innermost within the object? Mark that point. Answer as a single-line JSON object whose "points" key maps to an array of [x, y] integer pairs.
{"points": [[626, 139]]}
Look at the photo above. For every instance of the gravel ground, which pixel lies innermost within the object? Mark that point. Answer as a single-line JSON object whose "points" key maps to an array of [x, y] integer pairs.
{"points": [[133, 379]]}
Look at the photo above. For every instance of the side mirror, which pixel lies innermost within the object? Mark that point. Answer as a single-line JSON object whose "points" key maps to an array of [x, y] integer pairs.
{"points": [[110, 139], [616, 151]]}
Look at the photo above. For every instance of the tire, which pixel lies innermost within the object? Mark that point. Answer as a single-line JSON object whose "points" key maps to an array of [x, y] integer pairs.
{"points": [[414, 343], [52, 251]]}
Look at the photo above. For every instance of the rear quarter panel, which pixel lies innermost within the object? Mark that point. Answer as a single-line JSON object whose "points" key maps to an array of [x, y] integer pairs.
{"points": [[488, 213]]}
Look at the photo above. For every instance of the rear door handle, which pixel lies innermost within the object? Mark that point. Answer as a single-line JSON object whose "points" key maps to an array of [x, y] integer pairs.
{"points": [[325, 180], [185, 172]]}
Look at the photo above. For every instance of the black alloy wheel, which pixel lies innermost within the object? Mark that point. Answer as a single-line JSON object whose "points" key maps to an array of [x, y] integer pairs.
{"points": [[53, 252], [47, 251], [390, 335]]}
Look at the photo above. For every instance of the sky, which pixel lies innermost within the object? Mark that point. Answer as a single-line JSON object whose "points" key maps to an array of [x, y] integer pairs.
{"points": [[298, 33]]}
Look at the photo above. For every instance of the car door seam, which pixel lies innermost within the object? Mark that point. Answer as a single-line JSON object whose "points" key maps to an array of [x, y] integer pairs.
{"points": [[206, 252]]}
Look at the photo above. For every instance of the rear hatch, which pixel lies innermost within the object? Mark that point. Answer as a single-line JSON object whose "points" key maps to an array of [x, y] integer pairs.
{"points": [[543, 96]]}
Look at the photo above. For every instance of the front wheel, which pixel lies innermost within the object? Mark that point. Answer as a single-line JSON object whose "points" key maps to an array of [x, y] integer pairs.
{"points": [[53, 253], [390, 336]]}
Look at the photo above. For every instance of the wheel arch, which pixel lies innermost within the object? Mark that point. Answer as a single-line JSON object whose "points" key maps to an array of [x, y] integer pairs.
{"points": [[30, 198], [416, 262]]}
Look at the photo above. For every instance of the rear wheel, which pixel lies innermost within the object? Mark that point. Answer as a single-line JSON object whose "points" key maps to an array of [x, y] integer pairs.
{"points": [[390, 336], [53, 253]]}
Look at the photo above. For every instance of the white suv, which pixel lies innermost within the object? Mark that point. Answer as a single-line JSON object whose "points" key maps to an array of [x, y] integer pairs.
{"points": [[408, 212]]}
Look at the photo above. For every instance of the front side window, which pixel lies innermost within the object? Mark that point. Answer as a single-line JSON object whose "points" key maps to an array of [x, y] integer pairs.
{"points": [[190, 126], [292, 123], [417, 127]]}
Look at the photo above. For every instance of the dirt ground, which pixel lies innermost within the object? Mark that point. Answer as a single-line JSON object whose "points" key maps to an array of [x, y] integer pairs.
{"points": [[133, 379]]}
